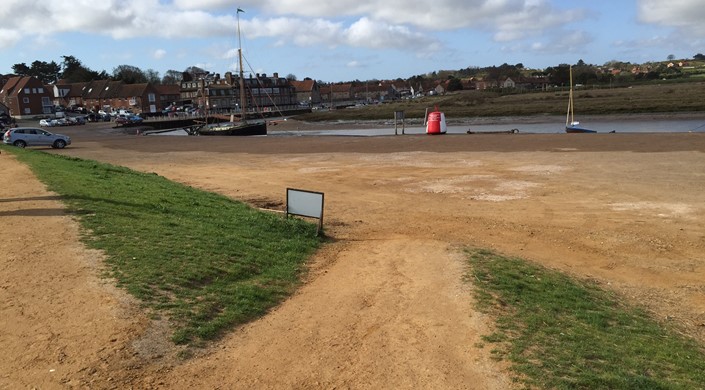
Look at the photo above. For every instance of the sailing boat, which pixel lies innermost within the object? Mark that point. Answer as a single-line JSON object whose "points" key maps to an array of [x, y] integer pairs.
{"points": [[571, 125], [243, 127]]}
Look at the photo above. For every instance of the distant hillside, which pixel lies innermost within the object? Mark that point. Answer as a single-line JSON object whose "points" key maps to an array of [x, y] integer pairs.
{"points": [[656, 96]]}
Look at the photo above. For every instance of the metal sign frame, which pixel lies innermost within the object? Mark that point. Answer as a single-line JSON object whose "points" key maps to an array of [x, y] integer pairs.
{"points": [[306, 204]]}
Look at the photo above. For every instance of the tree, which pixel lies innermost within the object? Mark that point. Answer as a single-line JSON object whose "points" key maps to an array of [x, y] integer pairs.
{"points": [[47, 72], [195, 72], [561, 75], [454, 84], [75, 72], [172, 77], [699, 56], [21, 69], [129, 74], [671, 57], [291, 77], [152, 76]]}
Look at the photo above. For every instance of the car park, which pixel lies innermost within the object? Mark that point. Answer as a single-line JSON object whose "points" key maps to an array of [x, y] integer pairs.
{"points": [[33, 136]]}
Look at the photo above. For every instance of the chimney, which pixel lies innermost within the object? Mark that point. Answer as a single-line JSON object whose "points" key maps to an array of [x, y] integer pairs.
{"points": [[276, 75]]}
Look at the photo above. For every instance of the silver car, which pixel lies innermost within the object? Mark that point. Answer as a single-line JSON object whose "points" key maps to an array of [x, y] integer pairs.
{"points": [[32, 136]]}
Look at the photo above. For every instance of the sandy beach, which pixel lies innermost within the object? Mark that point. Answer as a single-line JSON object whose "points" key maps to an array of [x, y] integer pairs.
{"points": [[384, 304]]}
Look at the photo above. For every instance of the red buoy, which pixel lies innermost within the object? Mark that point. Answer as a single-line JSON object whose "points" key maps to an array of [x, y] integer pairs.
{"points": [[436, 123]]}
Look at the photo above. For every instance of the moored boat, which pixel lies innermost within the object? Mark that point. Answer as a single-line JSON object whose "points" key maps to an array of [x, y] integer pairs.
{"points": [[243, 127], [574, 127], [235, 128], [571, 125]]}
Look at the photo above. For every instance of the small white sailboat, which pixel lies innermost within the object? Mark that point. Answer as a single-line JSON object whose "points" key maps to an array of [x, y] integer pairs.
{"points": [[571, 125]]}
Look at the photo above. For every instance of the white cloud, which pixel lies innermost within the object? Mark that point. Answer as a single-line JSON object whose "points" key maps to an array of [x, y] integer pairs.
{"points": [[120, 19], [372, 24], [203, 4], [300, 31], [159, 54], [566, 42], [9, 38], [368, 23], [366, 33], [687, 15], [510, 19]]}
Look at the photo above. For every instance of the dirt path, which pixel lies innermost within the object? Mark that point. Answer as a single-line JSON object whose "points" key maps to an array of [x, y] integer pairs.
{"points": [[385, 305], [60, 324]]}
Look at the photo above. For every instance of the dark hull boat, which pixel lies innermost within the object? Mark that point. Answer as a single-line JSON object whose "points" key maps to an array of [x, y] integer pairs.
{"points": [[243, 127], [574, 128], [247, 128]]}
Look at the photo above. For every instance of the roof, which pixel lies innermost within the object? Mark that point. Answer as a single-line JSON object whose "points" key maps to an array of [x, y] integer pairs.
{"points": [[168, 89], [303, 86], [10, 85], [16, 83], [94, 89], [127, 90]]}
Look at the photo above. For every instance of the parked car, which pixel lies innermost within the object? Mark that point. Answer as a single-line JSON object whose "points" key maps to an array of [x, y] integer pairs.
{"points": [[47, 122], [128, 120], [97, 117], [32, 136], [76, 120], [5, 120]]}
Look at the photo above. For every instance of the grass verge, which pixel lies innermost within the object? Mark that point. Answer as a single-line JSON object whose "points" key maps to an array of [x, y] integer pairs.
{"points": [[207, 262], [563, 334]]}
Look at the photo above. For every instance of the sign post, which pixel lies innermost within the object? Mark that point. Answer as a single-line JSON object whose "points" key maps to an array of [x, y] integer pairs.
{"points": [[398, 116]]}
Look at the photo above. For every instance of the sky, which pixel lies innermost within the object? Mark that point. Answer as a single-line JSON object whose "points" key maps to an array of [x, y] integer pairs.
{"points": [[345, 40]]}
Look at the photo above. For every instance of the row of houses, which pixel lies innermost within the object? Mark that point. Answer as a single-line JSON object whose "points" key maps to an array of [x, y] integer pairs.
{"points": [[309, 91], [26, 96]]}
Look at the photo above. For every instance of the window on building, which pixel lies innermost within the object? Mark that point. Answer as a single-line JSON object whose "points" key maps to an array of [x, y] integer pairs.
{"points": [[152, 98], [25, 100], [26, 91], [41, 90]]}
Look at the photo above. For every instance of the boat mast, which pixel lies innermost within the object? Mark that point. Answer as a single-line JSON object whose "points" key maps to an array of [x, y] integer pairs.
{"points": [[243, 96], [569, 114]]}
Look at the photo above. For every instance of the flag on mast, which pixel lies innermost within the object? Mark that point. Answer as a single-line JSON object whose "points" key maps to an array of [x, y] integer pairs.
{"points": [[240, 10]]}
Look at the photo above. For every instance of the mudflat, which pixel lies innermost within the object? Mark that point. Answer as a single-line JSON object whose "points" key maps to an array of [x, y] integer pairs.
{"points": [[384, 304]]}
